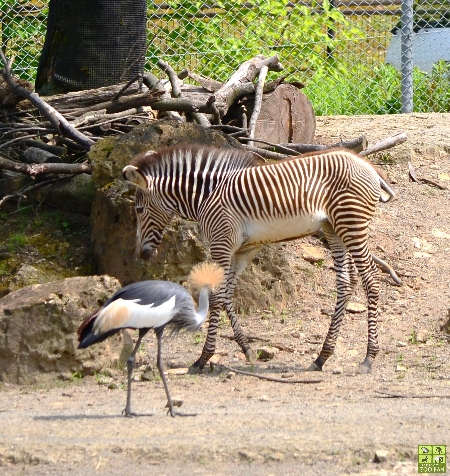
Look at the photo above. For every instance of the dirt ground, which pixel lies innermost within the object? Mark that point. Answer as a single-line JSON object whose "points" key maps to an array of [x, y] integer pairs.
{"points": [[247, 426]]}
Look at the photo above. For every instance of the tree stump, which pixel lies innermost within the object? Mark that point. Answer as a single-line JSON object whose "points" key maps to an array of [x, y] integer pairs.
{"points": [[287, 116]]}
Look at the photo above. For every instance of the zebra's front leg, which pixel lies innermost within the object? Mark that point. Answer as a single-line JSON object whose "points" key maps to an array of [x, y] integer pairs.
{"points": [[346, 280], [209, 348], [239, 262]]}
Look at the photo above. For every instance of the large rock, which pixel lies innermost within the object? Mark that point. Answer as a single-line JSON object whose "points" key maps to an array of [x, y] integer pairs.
{"points": [[268, 280], [110, 155], [38, 330]]}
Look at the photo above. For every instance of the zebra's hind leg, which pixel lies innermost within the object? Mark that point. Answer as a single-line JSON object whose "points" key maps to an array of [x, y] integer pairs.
{"points": [[346, 280], [368, 271]]}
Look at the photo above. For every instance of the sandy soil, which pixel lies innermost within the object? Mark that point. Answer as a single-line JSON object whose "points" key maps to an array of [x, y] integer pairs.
{"points": [[247, 426]]}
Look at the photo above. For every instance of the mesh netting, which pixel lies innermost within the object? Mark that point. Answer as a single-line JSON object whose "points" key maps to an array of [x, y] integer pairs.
{"points": [[93, 44]]}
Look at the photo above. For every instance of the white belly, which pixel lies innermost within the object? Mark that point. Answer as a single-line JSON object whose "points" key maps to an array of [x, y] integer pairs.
{"points": [[282, 228]]}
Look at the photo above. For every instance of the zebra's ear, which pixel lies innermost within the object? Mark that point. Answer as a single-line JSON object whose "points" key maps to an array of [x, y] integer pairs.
{"points": [[134, 175]]}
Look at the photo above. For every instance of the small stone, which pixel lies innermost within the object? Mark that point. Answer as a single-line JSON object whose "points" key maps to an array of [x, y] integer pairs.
{"points": [[312, 254], [113, 386], [230, 374], [179, 371], [421, 336], [247, 455], [327, 312], [176, 402], [337, 371], [215, 359], [422, 255], [380, 456], [276, 456], [266, 352], [401, 344], [356, 307], [264, 398], [65, 376], [400, 368]]}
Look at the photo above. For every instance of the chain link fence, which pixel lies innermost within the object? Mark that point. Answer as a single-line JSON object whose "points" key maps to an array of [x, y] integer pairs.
{"points": [[350, 54]]}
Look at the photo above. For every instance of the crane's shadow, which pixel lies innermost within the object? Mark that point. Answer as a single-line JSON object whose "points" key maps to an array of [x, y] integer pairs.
{"points": [[88, 417]]}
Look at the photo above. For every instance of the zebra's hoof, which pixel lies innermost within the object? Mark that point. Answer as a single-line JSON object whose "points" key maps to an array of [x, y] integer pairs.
{"points": [[314, 368], [364, 368], [251, 355], [196, 368]]}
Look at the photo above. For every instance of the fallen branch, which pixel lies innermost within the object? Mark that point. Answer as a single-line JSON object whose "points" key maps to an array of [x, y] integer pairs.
{"points": [[241, 82], [258, 102], [357, 145], [37, 169], [400, 395], [262, 339], [384, 144], [263, 377], [57, 119]]}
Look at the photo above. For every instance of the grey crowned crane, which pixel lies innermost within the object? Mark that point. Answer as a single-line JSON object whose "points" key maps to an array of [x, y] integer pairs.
{"points": [[153, 305]]}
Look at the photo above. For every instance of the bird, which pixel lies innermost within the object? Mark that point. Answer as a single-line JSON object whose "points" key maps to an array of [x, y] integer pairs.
{"points": [[153, 304]]}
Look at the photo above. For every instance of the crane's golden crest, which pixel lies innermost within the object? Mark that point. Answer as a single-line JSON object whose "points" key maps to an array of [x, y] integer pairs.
{"points": [[206, 274]]}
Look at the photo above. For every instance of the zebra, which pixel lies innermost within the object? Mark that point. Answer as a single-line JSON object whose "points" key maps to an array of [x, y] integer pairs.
{"points": [[241, 204]]}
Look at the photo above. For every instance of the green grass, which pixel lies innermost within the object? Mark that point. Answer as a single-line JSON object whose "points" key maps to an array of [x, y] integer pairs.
{"points": [[378, 91]]}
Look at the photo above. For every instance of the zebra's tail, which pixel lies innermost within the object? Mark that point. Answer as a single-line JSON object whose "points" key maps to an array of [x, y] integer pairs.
{"points": [[387, 188]]}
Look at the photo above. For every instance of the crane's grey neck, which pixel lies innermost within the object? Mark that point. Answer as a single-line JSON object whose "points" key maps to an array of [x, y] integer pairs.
{"points": [[203, 306]]}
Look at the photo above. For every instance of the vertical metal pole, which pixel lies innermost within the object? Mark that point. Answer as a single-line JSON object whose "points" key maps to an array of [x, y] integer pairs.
{"points": [[407, 56]]}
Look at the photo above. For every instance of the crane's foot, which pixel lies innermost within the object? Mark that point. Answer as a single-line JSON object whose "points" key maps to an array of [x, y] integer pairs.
{"points": [[129, 414], [251, 355], [364, 367]]}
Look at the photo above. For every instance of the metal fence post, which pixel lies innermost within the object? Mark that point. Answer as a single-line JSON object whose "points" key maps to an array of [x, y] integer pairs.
{"points": [[407, 63]]}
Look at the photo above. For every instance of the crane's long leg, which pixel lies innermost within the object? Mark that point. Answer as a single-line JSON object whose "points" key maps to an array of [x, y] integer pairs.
{"points": [[130, 365], [173, 413]]}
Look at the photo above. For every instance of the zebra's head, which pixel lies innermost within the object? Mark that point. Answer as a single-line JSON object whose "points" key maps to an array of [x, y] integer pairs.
{"points": [[152, 216]]}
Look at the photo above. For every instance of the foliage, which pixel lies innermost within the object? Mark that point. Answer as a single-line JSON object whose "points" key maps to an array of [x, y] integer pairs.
{"points": [[238, 30], [378, 91]]}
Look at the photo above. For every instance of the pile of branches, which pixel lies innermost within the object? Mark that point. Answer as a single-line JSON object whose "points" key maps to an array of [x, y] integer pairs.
{"points": [[52, 136]]}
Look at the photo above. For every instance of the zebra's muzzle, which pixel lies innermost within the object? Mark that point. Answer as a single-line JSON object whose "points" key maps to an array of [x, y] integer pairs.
{"points": [[147, 254]]}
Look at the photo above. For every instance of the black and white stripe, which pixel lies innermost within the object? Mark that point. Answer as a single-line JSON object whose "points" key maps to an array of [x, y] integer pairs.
{"points": [[241, 204]]}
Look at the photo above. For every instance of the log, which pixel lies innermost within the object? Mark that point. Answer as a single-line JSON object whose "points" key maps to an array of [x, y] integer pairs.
{"points": [[286, 116]]}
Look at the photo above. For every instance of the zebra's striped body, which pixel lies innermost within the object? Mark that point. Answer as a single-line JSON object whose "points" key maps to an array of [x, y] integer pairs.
{"points": [[241, 204]]}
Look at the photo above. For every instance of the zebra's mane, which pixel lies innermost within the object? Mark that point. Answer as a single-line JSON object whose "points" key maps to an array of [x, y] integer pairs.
{"points": [[194, 157]]}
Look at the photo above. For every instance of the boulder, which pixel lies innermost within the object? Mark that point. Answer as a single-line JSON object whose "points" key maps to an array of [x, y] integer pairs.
{"points": [[267, 281], [38, 330]]}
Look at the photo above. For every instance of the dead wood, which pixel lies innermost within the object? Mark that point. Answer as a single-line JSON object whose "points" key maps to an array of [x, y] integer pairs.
{"points": [[357, 145], [37, 169], [403, 395], [209, 84], [54, 149], [34, 155], [263, 377], [241, 82], [257, 103], [57, 120], [384, 144]]}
